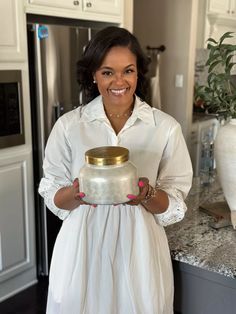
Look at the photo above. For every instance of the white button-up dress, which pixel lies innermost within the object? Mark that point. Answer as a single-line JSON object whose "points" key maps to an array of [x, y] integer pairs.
{"points": [[115, 259]]}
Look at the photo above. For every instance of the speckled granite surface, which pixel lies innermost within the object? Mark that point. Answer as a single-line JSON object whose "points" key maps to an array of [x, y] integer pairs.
{"points": [[195, 242]]}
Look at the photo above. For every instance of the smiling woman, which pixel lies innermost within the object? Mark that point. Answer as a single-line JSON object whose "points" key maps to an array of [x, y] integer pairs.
{"points": [[114, 258], [117, 78], [116, 81]]}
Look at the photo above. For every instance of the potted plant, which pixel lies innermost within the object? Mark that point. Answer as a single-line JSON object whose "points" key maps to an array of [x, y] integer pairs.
{"points": [[219, 96]]}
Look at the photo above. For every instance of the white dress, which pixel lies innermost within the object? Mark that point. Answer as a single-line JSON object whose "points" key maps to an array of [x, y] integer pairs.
{"points": [[115, 259]]}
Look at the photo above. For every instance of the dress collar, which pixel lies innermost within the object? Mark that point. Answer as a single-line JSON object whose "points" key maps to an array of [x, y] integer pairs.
{"points": [[95, 111]]}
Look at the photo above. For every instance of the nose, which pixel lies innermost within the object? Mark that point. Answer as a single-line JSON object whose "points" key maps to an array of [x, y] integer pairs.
{"points": [[119, 78]]}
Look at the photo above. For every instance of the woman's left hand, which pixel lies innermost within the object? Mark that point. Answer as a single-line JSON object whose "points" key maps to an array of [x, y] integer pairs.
{"points": [[143, 184]]}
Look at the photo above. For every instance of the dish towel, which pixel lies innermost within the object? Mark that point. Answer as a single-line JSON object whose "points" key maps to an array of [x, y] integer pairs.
{"points": [[155, 86]]}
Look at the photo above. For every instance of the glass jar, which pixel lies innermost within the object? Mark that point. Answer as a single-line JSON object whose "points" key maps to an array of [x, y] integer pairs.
{"points": [[108, 176]]}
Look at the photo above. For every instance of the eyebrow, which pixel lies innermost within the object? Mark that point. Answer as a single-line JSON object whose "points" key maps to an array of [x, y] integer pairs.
{"points": [[109, 68]]}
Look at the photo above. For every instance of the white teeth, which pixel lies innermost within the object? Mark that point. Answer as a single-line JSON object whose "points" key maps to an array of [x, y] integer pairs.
{"points": [[118, 91]]}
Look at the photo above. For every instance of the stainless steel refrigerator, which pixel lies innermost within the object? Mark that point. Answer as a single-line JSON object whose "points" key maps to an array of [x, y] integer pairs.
{"points": [[54, 47]]}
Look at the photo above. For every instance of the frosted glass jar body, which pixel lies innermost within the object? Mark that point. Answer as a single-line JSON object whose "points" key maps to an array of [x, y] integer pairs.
{"points": [[108, 184]]}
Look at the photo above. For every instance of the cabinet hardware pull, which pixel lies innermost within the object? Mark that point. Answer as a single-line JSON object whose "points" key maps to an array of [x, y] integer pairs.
{"points": [[76, 2], [88, 4], [232, 12], [228, 11]]}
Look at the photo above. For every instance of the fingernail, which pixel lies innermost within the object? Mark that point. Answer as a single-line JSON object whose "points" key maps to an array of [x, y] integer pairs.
{"points": [[81, 194], [131, 196], [141, 184]]}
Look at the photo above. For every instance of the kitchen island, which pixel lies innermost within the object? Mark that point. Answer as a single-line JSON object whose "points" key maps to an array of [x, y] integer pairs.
{"points": [[204, 258]]}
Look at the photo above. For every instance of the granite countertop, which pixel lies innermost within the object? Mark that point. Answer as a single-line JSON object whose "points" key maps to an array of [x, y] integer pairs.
{"points": [[195, 242]]}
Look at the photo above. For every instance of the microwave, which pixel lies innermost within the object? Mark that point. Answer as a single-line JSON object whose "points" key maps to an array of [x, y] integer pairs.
{"points": [[11, 109]]}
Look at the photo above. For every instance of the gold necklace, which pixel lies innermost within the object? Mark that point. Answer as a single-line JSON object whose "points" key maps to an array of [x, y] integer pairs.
{"points": [[124, 115]]}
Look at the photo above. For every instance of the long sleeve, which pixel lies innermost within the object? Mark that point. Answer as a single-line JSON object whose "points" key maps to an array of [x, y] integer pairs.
{"points": [[56, 168], [174, 177]]}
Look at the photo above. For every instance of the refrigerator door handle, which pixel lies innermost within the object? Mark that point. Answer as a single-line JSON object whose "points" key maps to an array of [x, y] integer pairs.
{"points": [[57, 111], [41, 145]]}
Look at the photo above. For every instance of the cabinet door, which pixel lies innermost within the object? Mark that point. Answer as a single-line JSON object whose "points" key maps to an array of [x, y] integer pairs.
{"points": [[113, 7], [12, 35], [16, 216], [233, 7], [12, 222], [219, 6], [66, 4]]}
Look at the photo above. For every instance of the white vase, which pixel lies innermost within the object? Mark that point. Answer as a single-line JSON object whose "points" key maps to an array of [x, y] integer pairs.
{"points": [[225, 155]]}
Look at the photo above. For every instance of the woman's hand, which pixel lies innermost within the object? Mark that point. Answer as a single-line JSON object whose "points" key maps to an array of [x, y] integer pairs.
{"points": [[70, 197], [143, 190], [77, 194], [153, 200]]}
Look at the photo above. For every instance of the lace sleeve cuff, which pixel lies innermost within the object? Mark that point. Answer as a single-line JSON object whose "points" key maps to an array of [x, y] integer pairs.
{"points": [[175, 211], [48, 192]]}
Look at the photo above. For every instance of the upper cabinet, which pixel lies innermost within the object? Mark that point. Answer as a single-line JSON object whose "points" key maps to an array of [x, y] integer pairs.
{"points": [[221, 13], [215, 17], [103, 6], [96, 10], [12, 36], [62, 4], [226, 7]]}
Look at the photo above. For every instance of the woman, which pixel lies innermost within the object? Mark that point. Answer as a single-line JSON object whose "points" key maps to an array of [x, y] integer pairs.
{"points": [[115, 259]]}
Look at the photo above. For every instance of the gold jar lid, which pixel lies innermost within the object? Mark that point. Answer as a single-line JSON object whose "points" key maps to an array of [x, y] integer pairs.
{"points": [[107, 155]]}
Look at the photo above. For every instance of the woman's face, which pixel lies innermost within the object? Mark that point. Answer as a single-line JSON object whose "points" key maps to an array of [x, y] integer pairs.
{"points": [[117, 76]]}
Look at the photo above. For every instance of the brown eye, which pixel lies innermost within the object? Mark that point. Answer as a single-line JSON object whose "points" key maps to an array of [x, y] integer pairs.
{"points": [[107, 73], [128, 71]]}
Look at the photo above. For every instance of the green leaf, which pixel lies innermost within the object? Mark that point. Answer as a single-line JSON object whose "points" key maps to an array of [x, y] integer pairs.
{"points": [[232, 48], [213, 65], [231, 65], [212, 40], [219, 93], [228, 59], [225, 35], [213, 57]]}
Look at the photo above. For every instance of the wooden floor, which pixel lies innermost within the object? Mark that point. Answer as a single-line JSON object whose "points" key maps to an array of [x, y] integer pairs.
{"points": [[30, 301]]}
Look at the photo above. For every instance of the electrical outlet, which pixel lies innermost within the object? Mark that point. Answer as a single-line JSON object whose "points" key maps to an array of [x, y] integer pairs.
{"points": [[179, 80]]}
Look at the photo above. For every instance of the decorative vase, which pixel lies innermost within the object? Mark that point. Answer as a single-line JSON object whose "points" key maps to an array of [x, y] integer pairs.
{"points": [[225, 155]]}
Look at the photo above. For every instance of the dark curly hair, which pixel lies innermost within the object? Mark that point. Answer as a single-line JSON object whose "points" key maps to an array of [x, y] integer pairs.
{"points": [[95, 52]]}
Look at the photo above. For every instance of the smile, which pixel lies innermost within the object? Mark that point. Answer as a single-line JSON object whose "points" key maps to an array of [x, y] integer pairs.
{"points": [[118, 91]]}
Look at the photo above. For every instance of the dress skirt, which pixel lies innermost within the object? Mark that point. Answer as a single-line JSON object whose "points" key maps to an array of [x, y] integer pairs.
{"points": [[110, 260]]}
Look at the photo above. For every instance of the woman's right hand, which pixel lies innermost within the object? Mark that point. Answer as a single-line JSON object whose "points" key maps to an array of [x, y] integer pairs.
{"points": [[77, 194], [69, 197]]}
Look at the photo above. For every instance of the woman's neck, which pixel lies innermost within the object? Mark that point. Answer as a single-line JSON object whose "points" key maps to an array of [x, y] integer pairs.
{"points": [[118, 115], [118, 111]]}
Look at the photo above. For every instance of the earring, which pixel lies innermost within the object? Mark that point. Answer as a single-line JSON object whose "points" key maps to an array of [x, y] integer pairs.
{"points": [[94, 82]]}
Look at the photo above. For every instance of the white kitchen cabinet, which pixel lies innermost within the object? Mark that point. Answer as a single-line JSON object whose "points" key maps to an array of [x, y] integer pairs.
{"points": [[226, 7], [220, 17], [103, 6], [96, 6], [215, 17], [12, 35], [96, 10], [68, 4], [17, 236]]}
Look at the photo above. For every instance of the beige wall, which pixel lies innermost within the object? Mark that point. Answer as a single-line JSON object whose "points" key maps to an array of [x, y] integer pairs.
{"points": [[171, 23]]}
